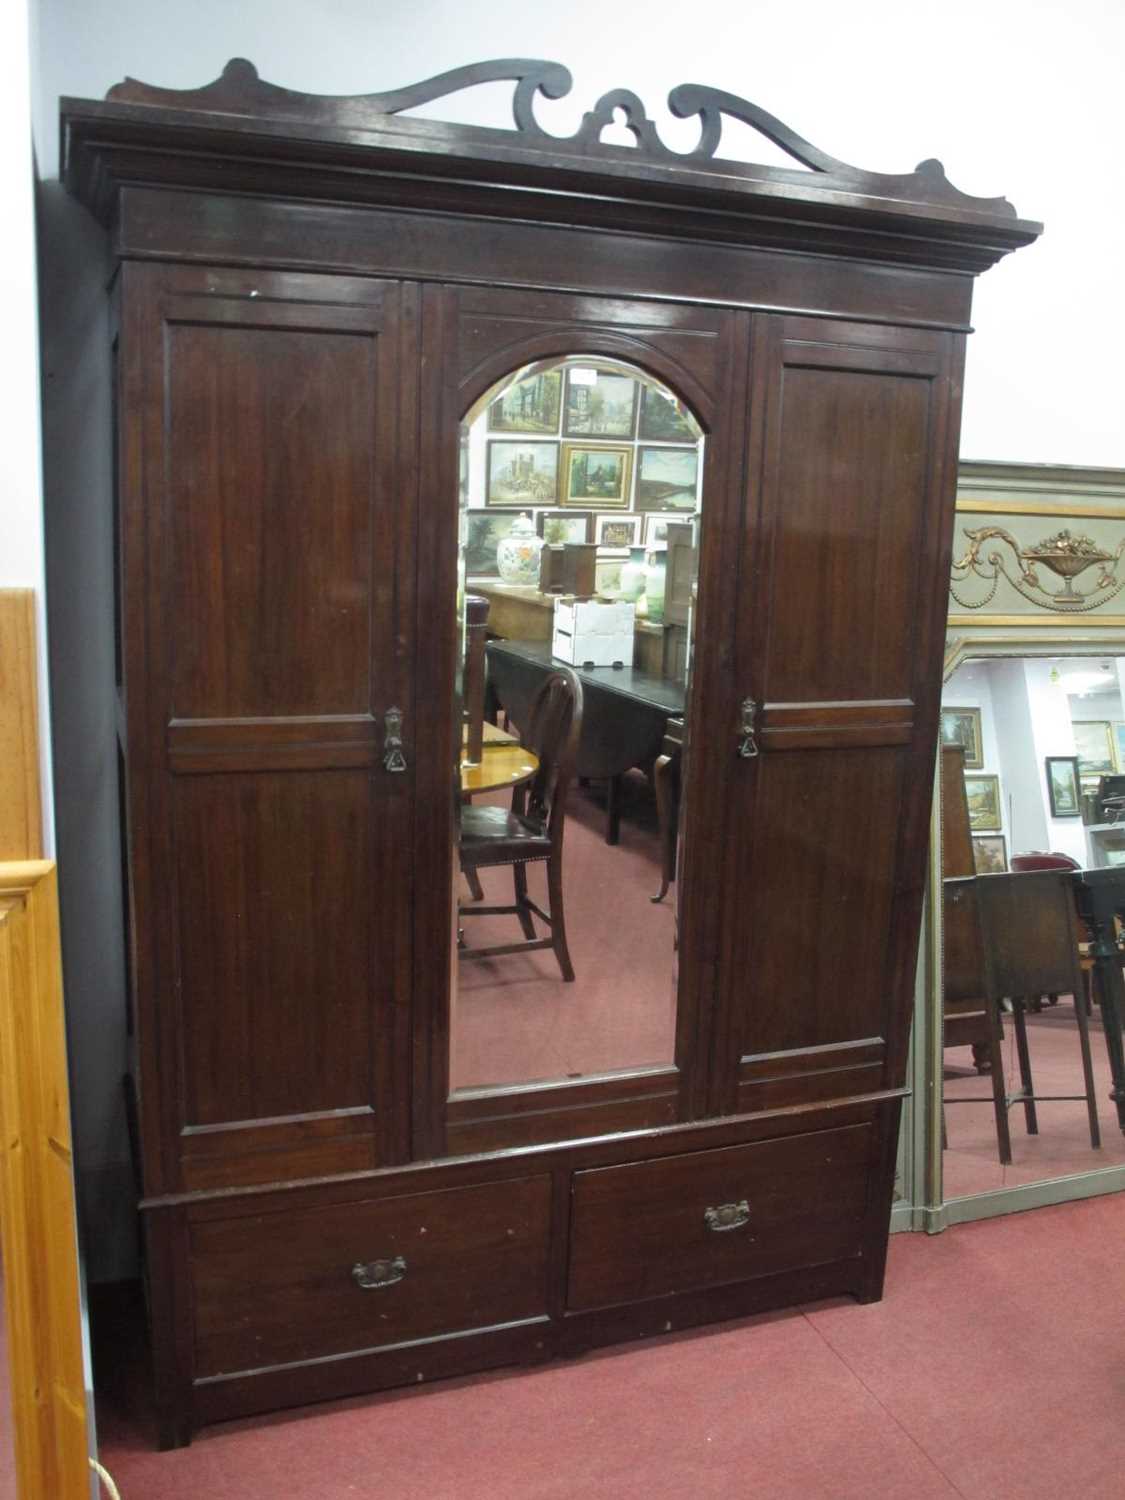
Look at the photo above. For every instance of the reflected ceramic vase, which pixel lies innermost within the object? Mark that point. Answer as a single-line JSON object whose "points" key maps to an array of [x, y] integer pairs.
{"points": [[656, 564], [633, 575], [517, 555]]}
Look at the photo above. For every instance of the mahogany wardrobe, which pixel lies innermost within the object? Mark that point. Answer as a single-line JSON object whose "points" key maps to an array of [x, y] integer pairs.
{"points": [[310, 296]]}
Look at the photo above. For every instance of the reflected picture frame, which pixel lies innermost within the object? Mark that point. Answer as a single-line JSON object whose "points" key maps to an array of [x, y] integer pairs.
{"points": [[529, 406], [596, 475], [617, 532], [1064, 788], [484, 532], [990, 854], [559, 526], [521, 474], [607, 576], [604, 407], [656, 528], [668, 479], [962, 726], [663, 418], [1093, 741], [982, 793]]}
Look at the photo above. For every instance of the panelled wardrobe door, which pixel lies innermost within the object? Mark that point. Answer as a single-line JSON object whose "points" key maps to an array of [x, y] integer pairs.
{"points": [[840, 619], [263, 505]]}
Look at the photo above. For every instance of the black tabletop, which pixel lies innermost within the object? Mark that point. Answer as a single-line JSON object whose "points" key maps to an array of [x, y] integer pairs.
{"points": [[642, 687]]}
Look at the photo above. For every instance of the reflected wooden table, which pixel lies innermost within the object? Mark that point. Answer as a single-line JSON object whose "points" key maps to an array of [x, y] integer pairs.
{"points": [[625, 711], [504, 762]]}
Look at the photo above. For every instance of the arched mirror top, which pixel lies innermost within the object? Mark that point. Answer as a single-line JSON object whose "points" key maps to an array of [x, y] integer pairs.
{"points": [[687, 427]]}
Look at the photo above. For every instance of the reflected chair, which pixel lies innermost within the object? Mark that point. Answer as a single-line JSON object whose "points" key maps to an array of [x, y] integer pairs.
{"points": [[531, 830], [1029, 932], [1039, 859], [970, 1012], [476, 632], [472, 693]]}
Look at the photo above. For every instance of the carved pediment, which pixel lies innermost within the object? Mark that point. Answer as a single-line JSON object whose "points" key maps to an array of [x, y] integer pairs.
{"points": [[239, 91]]}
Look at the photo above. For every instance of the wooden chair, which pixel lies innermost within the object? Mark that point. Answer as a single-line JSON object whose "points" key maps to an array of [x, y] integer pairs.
{"points": [[1029, 930], [532, 829]]}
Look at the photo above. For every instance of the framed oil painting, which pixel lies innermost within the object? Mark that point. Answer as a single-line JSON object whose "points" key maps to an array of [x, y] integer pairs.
{"points": [[983, 796], [599, 404], [522, 474], [961, 726], [663, 419], [617, 532], [596, 475], [1093, 739], [531, 405], [1063, 787], [990, 854], [667, 478], [486, 530], [559, 526]]}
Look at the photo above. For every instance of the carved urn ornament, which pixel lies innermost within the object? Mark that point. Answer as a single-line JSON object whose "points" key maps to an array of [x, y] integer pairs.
{"points": [[1064, 554]]}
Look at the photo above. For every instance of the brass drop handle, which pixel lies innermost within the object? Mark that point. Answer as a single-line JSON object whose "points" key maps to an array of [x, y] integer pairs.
{"points": [[376, 1273], [727, 1216], [393, 758], [748, 741]]}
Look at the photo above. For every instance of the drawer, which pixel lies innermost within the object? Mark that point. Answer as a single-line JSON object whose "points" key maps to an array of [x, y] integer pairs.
{"points": [[281, 1287], [651, 1228]]}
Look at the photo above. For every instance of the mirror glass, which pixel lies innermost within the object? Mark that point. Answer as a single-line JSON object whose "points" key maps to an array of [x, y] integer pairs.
{"points": [[1033, 755], [579, 539]]}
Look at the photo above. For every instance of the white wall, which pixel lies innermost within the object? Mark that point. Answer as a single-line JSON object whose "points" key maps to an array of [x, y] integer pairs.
{"points": [[1052, 734], [21, 501], [1016, 97]]}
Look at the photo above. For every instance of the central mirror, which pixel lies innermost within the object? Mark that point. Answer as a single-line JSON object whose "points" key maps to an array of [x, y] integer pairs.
{"points": [[578, 548]]}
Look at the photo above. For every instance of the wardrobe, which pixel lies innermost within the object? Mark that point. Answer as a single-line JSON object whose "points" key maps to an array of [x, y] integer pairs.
{"points": [[310, 294]]}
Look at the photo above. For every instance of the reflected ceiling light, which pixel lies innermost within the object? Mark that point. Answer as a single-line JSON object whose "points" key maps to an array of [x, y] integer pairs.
{"points": [[1079, 684]]}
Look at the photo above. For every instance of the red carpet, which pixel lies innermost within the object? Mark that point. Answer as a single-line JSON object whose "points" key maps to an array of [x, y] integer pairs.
{"points": [[1062, 1147], [993, 1370], [515, 1020]]}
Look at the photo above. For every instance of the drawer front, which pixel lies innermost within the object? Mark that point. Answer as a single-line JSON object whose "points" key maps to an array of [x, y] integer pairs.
{"points": [[278, 1287], [656, 1227]]}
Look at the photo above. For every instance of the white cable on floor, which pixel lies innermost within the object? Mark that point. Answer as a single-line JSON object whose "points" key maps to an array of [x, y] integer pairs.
{"points": [[106, 1479]]}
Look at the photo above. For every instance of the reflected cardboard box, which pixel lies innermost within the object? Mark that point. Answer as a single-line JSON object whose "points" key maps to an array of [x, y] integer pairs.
{"points": [[594, 633]]}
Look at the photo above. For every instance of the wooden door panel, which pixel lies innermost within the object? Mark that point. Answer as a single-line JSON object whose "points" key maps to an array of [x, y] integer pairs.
{"points": [[274, 525], [272, 530], [846, 536], [845, 556], [817, 952], [275, 914]]}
